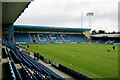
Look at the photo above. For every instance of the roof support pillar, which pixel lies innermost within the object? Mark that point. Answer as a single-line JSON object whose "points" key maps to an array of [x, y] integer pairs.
{"points": [[10, 32]]}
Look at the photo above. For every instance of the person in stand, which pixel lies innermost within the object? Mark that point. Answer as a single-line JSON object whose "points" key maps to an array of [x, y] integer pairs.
{"points": [[34, 54], [38, 56]]}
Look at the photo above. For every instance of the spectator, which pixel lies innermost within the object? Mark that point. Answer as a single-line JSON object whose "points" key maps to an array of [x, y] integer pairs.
{"points": [[37, 56], [34, 54]]}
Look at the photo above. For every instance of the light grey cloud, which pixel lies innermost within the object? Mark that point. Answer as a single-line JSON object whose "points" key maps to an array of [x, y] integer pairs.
{"points": [[68, 13]]}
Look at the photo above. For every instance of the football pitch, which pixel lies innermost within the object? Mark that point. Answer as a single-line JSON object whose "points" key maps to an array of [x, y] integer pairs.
{"points": [[92, 60]]}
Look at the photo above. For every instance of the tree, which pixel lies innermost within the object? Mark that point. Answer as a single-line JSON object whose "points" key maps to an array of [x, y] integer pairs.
{"points": [[94, 32], [113, 32], [101, 32]]}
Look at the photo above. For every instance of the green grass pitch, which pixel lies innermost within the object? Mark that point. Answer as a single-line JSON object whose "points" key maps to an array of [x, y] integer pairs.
{"points": [[92, 60]]}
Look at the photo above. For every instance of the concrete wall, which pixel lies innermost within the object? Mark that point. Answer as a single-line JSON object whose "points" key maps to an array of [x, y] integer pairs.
{"points": [[87, 34]]}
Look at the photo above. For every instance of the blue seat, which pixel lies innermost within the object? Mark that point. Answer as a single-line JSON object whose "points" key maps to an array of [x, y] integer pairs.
{"points": [[79, 38], [22, 37], [16, 58], [39, 76], [55, 38], [41, 38], [28, 73], [65, 37], [31, 63], [43, 68]]}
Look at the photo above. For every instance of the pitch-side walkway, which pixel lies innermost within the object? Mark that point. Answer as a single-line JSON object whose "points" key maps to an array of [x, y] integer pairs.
{"points": [[62, 74]]}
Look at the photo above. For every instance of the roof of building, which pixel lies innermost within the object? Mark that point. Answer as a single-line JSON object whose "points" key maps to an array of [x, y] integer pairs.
{"points": [[106, 35], [12, 10], [26, 27]]}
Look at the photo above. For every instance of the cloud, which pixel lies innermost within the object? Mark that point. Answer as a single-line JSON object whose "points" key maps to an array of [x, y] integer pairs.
{"points": [[68, 13]]}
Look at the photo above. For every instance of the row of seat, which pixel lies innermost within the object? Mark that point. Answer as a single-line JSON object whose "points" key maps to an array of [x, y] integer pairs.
{"points": [[106, 41], [42, 68], [23, 64], [40, 71], [48, 38], [14, 73]]}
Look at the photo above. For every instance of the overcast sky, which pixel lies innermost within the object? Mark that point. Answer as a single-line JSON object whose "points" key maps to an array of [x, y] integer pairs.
{"points": [[67, 13]]}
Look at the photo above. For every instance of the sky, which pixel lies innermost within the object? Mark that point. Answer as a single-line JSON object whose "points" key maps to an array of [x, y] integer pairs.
{"points": [[67, 13]]}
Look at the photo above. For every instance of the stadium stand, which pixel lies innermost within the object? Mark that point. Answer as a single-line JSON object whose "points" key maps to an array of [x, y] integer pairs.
{"points": [[49, 38], [40, 38], [27, 63], [79, 38], [32, 38], [43, 38], [55, 38], [65, 38], [106, 38], [47, 34], [13, 72], [22, 37]]}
